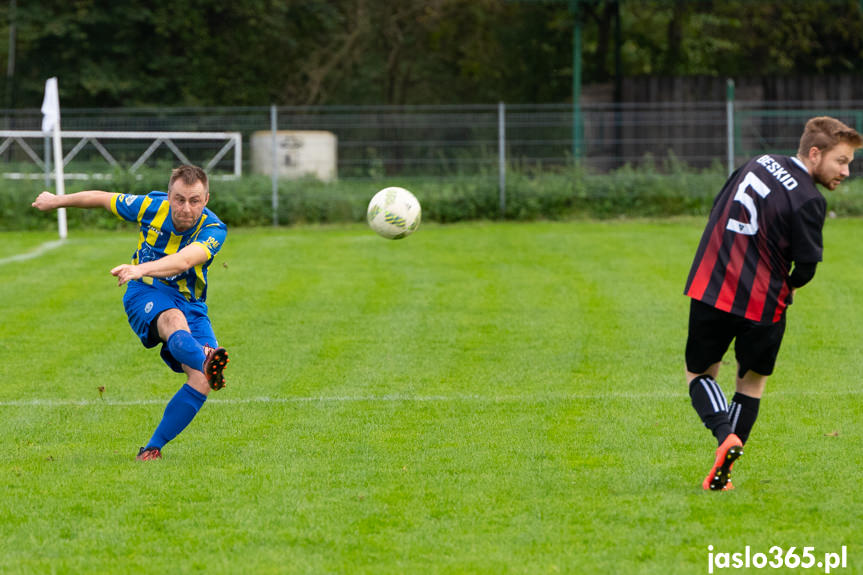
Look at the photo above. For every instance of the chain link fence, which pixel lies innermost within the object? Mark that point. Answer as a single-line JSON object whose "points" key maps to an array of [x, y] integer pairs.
{"points": [[373, 142]]}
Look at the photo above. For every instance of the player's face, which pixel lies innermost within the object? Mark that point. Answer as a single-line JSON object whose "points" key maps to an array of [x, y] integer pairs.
{"points": [[833, 165], [187, 203]]}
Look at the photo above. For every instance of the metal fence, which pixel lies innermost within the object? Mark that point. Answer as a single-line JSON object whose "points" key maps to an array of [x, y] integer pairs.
{"points": [[451, 141]]}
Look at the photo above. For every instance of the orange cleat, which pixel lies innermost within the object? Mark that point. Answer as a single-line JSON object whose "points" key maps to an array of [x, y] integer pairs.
{"points": [[726, 455], [150, 454], [215, 363]]}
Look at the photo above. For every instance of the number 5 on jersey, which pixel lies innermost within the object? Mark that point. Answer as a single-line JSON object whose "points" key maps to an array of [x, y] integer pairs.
{"points": [[751, 228]]}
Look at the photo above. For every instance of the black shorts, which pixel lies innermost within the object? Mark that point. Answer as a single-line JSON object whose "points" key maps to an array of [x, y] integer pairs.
{"points": [[711, 330]]}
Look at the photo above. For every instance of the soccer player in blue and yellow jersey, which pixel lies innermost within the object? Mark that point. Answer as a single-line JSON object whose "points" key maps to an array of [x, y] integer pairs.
{"points": [[167, 285], [768, 215]]}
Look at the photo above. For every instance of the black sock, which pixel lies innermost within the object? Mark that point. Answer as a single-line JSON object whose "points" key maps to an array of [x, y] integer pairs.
{"points": [[742, 414], [709, 402]]}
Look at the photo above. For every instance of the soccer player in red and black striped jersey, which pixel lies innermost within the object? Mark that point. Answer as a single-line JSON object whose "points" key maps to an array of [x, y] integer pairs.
{"points": [[768, 216]]}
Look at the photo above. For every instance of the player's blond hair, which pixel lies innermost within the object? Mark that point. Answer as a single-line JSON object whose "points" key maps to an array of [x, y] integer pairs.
{"points": [[824, 133], [190, 175]]}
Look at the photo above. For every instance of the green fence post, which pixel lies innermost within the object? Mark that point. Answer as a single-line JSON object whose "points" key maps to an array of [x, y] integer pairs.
{"points": [[576, 80], [729, 120]]}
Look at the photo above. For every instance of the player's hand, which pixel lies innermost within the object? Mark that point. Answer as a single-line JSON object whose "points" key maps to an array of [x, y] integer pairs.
{"points": [[125, 273], [45, 201]]}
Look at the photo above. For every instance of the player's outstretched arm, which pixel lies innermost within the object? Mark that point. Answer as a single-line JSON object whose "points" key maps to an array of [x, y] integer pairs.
{"points": [[170, 265], [87, 199]]}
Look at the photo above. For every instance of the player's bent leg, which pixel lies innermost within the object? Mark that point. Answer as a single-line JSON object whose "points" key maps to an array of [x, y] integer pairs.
{"points": [[186, 350], [174, 331]]}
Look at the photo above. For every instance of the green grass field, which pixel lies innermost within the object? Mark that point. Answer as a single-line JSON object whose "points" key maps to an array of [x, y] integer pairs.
{"points": [[477, 398]]}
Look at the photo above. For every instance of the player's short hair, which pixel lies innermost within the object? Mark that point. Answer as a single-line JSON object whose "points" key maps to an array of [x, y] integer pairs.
{"points": [[190, 175], [824, 133]]}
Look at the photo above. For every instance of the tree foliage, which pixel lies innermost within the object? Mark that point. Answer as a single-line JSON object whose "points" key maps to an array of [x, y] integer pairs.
{"points": [[305, 52]]}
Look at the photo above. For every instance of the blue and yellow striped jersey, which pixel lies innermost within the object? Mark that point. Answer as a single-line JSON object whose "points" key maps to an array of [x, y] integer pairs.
{"points": [[158, 238]]}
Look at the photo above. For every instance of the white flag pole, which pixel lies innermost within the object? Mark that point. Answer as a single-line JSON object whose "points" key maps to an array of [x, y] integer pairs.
{"points": [[51, 121], [61, 184]]}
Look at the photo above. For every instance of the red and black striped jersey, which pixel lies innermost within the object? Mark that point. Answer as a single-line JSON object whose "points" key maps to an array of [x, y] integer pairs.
{"points": [[767, 215]]}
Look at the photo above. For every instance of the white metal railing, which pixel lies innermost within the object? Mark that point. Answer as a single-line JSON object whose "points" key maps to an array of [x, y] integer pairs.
{"points": [[233, 141]]}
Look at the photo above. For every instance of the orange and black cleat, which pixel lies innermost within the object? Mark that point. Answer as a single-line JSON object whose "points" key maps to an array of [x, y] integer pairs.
{"points": [[214, 365], [149, 454], [726, 454]]}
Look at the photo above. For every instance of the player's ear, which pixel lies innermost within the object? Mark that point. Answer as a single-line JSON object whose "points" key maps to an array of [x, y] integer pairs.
{"points": [[814, 155]]}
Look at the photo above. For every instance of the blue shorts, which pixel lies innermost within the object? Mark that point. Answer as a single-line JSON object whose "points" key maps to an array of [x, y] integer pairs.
{"points": [[143, 305]]}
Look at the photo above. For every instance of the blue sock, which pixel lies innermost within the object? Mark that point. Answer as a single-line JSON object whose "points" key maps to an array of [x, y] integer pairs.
{"points": [[186, 349], [180, 411]]}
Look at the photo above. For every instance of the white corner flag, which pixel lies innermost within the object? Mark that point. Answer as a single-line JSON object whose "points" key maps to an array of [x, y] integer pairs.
{"points": [[50, 106], [51, 123]]}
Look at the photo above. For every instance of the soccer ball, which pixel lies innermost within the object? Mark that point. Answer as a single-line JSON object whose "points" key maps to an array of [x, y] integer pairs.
{"points": [[394, 213]]}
